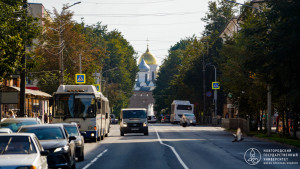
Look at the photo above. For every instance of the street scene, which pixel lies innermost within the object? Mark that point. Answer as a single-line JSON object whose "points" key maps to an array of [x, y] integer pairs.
{"points": [[173, 146], [150, 84]]}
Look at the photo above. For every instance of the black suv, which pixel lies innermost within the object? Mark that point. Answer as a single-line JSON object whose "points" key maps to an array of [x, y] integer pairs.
{"points": [[55, 139]]}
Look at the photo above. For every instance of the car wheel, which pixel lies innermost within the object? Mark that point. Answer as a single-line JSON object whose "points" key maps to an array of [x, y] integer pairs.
{"points": [[81, 157], [121, 133], [98, 138]]}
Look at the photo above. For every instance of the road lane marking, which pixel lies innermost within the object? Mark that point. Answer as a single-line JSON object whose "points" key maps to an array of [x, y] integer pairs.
{"points": [[94, 160], [173, 149]]}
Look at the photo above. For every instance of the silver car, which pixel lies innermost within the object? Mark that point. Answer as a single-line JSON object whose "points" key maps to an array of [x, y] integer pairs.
{"points": [[188, 119], [21, 150], [15, 123]]}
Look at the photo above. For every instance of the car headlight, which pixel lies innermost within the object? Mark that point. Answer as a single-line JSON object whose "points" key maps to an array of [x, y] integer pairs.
{"points": [[191, 121], [26, 167], [124, 124], [65, 148], [145, 124]]}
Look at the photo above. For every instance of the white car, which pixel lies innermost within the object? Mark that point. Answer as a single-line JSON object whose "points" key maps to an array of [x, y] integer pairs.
{"points": [[188, 119], [22, 150], [5, 130]]}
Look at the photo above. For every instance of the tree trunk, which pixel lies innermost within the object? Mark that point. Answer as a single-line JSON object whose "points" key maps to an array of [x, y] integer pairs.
{"points": [[283, 124], [287, 123]]}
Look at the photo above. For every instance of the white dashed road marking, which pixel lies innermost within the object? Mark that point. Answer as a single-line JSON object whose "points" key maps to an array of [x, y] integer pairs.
{"points": [[94, 160]]}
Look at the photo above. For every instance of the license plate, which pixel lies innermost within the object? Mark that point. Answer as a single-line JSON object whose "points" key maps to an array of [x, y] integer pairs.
{"points": [[134, 129]]}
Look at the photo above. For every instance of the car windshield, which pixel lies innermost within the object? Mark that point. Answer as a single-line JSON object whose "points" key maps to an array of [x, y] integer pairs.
{"points": [[75, 106], [16, 145], [15, 125], [45, 133], [72, 130], [134, 114], [184, 107], [189, 115]]}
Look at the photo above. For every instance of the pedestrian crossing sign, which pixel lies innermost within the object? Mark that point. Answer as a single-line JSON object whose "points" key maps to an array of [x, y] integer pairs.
{"points": [[215, 85], [80, 78], [97, 87]]}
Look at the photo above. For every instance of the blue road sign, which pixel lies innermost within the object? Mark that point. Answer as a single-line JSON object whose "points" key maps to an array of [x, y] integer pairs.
{"points": [[97, 87], [215, 85], [80, 78]]}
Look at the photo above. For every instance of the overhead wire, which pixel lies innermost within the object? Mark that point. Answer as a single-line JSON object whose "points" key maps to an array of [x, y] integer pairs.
{"points": [[141, 15]]}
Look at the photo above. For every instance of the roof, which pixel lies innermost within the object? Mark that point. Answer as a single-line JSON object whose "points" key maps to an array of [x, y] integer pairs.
{"points": [[42, 125], [21, 119], [17, 134], [133, 109], [143, 66], [27, 91], [149, 58]]}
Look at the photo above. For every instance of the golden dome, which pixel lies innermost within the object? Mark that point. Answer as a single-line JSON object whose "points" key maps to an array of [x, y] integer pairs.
{"points": [[148, 57]]}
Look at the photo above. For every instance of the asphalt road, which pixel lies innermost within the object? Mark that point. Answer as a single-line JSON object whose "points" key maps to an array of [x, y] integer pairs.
{"points": [[172, 146]]}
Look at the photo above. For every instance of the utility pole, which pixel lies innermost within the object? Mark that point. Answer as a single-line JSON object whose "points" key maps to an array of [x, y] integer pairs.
{"points": [[269, 110], [23, 67], [61, 44], [204, 87]]}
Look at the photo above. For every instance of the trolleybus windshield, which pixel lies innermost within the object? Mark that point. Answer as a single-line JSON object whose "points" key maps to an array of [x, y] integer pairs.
{"points": [[74, 106]]}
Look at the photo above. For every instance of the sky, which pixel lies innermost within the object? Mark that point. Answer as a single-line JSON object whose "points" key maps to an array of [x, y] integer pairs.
{"points": [[158, 23]]}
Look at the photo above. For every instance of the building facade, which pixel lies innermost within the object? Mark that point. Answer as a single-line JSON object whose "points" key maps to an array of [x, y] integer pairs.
{"points": [[145, 82]]}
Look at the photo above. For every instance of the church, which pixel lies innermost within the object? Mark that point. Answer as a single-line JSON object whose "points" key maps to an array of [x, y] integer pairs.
{"points": [[145, 81]]}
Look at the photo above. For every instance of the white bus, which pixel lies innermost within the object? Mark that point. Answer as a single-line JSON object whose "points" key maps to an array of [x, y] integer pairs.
{"points": [[84, 105], [178, 107]]}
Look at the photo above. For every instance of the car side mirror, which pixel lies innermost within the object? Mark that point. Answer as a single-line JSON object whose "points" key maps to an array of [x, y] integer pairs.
{"points": [[45, 153], [72, 138], [149, 117]]}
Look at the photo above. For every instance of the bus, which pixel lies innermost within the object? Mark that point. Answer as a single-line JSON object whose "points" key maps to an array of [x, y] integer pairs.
{"points": [[84, 105], [178, 107]]}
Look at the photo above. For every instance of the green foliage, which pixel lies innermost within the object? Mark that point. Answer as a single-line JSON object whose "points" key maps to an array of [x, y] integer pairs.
{"points": [[16, 30]]}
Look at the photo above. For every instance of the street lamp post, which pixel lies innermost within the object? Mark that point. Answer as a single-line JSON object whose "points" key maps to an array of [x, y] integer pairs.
{"points": [[23, 70], [215, 91], [61, 57]]}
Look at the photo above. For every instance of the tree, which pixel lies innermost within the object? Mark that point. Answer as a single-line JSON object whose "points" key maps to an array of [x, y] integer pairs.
{"points": [[16, 30]]}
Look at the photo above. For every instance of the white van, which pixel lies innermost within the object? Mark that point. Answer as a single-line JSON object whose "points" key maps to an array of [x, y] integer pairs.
{"points": [[133, 120], [178, 107]]}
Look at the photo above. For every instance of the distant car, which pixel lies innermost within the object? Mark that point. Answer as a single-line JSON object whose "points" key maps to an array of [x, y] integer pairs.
{"points": [[55, 139], [15, 123], [151, 119], [165, 119], [188, 119], [113, 119], [22, 150], [73, 130], [5, 130]]}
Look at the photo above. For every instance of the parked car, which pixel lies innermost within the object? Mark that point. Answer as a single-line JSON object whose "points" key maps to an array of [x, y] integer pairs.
{"points": [[72, 129], [22, 150], [55, 139], [5, 130], [188, 119], [15, 123], [165, 119], [151, 119]]}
